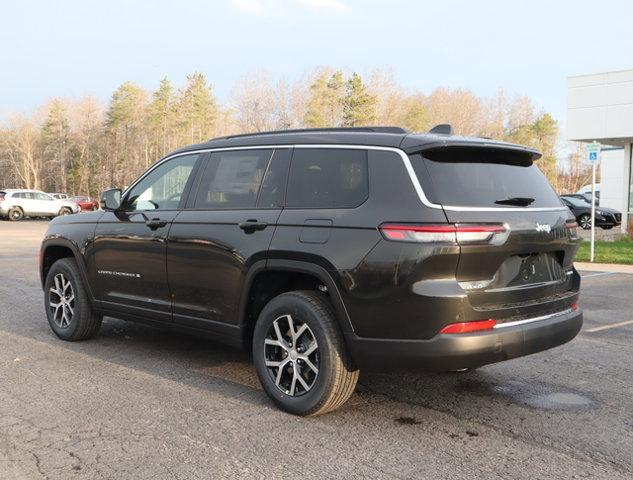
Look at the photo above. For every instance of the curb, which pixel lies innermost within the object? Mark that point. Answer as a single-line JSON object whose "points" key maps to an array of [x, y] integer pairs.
{"points": [[603, 267]]}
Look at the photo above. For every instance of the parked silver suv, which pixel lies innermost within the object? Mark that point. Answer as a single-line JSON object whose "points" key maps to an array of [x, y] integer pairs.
{"points": [[17, 204]]}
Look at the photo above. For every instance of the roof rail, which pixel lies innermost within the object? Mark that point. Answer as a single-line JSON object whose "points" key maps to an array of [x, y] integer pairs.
{"points": [[379, 129], [442, 129]]}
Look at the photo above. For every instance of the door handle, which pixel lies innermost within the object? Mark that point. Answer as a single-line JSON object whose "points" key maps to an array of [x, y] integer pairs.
{"points": [[155, 223], [249, 226]]}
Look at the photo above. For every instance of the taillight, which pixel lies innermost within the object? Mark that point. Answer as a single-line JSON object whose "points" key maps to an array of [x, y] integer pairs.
{"points": [[574, 306], [2, 196], [572, 226], [460, 233], [469, 327]]}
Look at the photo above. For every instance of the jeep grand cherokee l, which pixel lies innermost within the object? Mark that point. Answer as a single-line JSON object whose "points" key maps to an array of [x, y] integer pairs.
{"points": [[326, 252]]}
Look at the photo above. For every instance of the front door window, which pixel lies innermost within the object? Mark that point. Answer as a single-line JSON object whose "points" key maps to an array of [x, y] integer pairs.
{"points": [[163, 187]]}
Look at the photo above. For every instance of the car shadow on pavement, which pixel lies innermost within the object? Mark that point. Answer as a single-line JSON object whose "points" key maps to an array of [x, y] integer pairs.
{"points": [[208, 365]]}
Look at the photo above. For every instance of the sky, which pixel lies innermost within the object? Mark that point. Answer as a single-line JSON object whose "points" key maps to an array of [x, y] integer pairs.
{"points": [[76, 47]]}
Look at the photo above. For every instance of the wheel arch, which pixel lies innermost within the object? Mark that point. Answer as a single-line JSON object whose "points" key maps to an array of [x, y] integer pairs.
{"points": [[275, 274], [56, 249]]}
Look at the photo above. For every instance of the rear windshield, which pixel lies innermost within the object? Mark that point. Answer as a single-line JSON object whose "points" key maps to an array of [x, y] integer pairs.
{"points": [[482, 178]]}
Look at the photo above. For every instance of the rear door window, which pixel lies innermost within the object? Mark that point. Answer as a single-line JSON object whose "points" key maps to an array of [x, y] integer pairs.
{"points": [[483, 178], [327, 178], [231, 179]]}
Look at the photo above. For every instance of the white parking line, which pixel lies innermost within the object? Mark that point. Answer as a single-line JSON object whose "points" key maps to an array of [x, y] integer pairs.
{"points": [[607, 327], [599, 274]]}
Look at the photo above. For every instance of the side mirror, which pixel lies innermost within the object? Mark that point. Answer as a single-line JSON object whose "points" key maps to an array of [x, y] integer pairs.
{"points": [[111, 199]]}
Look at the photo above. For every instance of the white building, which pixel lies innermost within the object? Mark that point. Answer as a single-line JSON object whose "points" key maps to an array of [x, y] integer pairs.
{"points": [[600, 107]]}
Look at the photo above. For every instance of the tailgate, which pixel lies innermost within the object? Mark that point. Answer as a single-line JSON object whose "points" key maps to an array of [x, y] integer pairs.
{"points": [[531, 260], [534, 263]]}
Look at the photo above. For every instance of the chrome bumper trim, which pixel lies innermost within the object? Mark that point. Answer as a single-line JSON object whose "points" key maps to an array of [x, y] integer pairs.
{"points": [[534, 319]]}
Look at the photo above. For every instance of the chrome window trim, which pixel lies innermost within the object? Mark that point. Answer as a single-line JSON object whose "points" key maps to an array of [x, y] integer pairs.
{"points": [[533, 319], [405, 160]]}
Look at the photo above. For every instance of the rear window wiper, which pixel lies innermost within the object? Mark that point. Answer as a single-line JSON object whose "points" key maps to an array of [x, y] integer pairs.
{"points": [[518, 201]]}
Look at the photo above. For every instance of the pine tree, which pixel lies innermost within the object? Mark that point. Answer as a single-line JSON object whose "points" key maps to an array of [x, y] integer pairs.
{"points": [[325, 103], [127, 137], [56, 144], [197, 110], [359, 106], [545, 131], [415, 116], [316, 113], [162, 116]]}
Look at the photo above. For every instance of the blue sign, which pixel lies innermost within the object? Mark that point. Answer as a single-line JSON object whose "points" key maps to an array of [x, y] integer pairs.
{"points": [[593, 152]]}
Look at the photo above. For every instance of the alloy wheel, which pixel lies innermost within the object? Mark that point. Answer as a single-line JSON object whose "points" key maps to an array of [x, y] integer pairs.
{"points": [[585, 222], [291, 355], [62, 301]]}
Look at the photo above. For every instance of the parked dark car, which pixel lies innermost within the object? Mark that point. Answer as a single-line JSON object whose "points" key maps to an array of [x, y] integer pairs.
{"points": [[326, 252], [86, 203], [583, 196], [606, 218]]}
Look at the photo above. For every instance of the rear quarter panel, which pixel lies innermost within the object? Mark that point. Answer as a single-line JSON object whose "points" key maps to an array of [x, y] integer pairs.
{"points": [[374, 277]]}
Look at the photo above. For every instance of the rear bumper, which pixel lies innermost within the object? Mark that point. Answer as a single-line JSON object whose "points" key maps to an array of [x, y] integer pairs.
{"points": [[446, 352]]}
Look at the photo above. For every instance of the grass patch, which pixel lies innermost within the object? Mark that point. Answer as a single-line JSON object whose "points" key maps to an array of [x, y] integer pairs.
{"points": [[619, 251]]}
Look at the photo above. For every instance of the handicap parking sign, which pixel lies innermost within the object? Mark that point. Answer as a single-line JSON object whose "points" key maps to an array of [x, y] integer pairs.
{"points": [[593, 152]]}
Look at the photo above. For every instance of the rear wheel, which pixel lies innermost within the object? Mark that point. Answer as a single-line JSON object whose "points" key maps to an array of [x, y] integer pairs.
{"points": [[299, 354], [68, 308], [16, 214], [585, 221]]}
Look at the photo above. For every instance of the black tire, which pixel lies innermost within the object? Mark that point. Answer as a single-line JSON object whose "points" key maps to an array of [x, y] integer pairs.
{"points": [[15, 214], [65, 211], [584, 221], [336, 378], [84, 322]]}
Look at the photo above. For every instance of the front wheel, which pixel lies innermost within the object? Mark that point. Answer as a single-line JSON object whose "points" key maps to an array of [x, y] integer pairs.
{"points": [[585, 221], [65, 211], [68, 308], [300, 356]]}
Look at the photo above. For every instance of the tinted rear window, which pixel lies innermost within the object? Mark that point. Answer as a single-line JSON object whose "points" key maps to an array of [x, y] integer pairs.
{"points": [[327, 178], [231, 179], [480, 178]]}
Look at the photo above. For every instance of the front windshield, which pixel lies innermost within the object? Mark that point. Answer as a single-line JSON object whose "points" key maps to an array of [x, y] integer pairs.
{"points": [[578, 202]]}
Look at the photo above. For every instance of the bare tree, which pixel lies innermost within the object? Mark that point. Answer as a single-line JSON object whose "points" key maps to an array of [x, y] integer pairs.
{"points": [[78, 146], [20, 150]]}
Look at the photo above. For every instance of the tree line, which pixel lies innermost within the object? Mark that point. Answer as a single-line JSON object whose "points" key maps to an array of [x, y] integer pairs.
{"points": [[81, 146]]}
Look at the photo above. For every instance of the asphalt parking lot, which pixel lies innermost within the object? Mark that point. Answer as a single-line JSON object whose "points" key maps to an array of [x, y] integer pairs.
{"points": [[142, 403]]}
